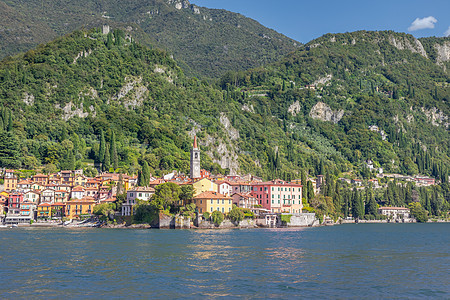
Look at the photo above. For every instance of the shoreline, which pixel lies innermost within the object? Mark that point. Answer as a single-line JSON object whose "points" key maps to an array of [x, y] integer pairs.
{"points": [[148, 226]]}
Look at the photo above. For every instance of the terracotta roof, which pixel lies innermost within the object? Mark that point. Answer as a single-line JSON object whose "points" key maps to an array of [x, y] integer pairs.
{"points": [[142, 189], [78, 189], [58, 204], [45, 204], [40, 176], [211, 195]]}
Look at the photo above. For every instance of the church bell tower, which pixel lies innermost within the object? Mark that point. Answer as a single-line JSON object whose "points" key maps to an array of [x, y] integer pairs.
{"points": [[195, 160]]}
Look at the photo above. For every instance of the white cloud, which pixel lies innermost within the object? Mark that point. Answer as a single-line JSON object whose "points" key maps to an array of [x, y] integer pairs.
{"points": [[447, 33], [423, 23]]}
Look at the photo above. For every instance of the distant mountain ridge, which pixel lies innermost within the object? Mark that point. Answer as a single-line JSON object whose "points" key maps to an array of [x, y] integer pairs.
{"points": [[208, 41]]}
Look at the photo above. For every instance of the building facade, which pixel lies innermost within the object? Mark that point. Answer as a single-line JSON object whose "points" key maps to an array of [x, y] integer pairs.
{"points": [[279, 196]]}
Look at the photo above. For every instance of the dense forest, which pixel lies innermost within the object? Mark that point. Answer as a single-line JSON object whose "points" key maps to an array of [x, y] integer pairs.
{"points": [[205, 42]]}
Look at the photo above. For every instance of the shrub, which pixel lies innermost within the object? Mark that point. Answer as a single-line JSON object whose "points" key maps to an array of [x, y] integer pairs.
{"points": [[206, 215], [286, 219], [217, 217], [236, 214]]}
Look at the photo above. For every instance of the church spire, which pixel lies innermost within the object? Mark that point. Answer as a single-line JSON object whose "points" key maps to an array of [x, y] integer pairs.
{"points": [[195, 142]]}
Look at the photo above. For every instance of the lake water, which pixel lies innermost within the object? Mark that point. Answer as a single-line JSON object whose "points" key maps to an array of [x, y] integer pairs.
{"points": [[347, 261]]}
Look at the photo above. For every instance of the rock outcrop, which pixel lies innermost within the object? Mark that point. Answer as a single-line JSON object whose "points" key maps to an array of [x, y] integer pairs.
{"points": [[323, 112]]}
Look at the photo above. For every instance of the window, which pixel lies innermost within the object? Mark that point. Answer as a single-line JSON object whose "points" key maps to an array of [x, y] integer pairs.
{"points": [[267, 201], [229, 209], [211, 201], [265, 188], [201, 201], [272, 201], [218, 201], [223, 209], [278, 201], [273, 196], [229, 201], [140, 195], [223, 201], [272, 189], [260, 189], [211, 209]]}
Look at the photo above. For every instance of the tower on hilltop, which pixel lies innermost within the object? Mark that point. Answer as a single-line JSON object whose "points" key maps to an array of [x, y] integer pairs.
{"points": [[195, 160]]}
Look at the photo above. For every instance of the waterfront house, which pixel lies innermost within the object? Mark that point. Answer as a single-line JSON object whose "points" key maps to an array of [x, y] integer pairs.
{"points": [[44, 211], [14, 201], [58, 210], [137, 193], [77, 208], [210, 201], [279, 196], [395, 212], [27, 210]]}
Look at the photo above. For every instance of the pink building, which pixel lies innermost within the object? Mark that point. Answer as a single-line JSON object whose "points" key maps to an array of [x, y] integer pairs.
{"points": [[279, 196]]}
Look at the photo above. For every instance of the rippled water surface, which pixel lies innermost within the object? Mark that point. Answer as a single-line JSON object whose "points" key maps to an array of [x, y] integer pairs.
{"points": [[347, 261]]}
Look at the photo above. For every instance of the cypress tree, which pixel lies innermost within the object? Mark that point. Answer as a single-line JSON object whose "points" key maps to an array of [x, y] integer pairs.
{"points": [[113, 154], [107, 160], [145, 174], [10, 122], [1, 124], [303, 180], [101, 151]]}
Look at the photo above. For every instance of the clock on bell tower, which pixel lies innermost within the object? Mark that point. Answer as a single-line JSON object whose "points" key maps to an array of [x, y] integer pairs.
{"points": [[195, 160]]}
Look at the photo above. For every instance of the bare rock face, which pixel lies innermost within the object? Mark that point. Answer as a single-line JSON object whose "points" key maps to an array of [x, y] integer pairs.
{"points": [[404, 43], [232, 132], [294, 108], [436, 117], [179, 4], [28, 99], [323, 112], [443, 52]]}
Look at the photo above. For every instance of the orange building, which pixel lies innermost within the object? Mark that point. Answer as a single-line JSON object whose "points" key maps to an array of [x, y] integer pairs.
{"points": [[77, 208]]}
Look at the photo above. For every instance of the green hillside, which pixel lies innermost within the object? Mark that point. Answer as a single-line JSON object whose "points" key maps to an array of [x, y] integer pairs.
{"points": [[206, 42], [356, 80]]}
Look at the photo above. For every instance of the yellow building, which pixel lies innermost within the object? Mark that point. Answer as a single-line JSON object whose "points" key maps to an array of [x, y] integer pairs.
{"points": [[10, 184], [211, 201], [204, 185], [44, 210], [76, 208], [79, 180]]}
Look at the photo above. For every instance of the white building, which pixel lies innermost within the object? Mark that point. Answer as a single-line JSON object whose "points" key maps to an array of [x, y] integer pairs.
{"points": [[395, 212], [138, 193]]}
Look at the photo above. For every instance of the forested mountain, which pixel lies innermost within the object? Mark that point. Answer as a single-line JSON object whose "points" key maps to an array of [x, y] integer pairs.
{"points": [[205, 42], [332, 105], [348, 98]]}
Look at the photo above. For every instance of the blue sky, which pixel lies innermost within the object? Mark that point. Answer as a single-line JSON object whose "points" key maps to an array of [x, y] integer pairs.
{"points": [[307, 20]]}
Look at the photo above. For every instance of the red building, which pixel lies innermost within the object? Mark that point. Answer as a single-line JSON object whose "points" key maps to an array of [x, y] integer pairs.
{"points": [[279, 196]]}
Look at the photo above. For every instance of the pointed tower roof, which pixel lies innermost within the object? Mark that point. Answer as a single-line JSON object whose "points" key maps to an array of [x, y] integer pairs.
{"points": [[195, 142]]}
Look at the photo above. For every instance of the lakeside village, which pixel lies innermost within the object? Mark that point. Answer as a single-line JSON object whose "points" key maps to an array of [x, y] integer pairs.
{"points": [[207, 201]]}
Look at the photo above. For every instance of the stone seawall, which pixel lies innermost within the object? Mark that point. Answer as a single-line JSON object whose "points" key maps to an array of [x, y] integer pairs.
{"points": [[302, 220], [173, 222], [226, 224]]}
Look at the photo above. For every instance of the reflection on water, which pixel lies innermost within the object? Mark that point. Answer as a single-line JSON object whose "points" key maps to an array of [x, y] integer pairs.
{"points": [[363, 261]]}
